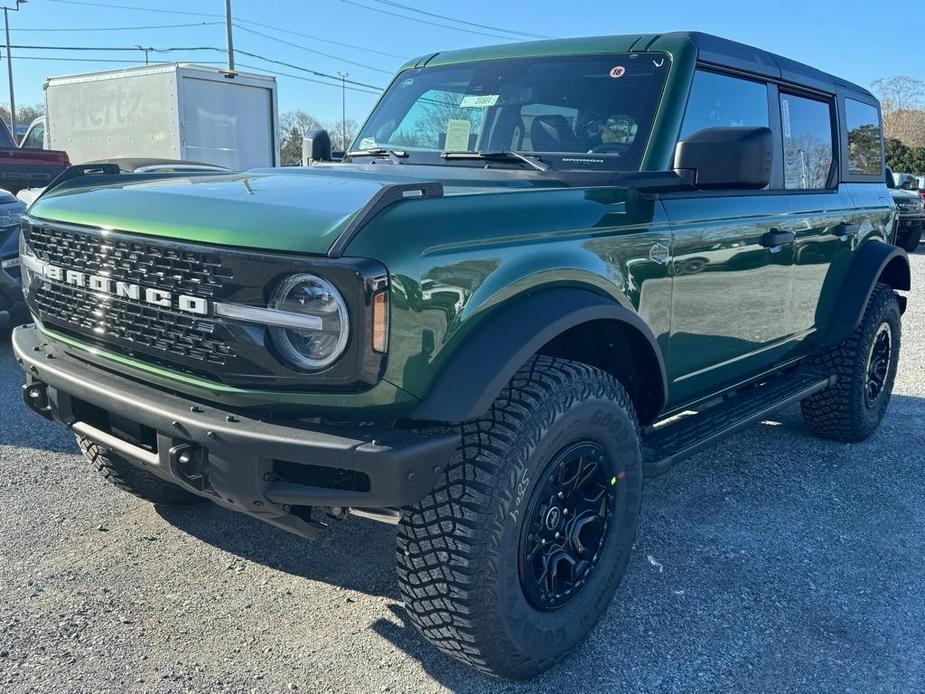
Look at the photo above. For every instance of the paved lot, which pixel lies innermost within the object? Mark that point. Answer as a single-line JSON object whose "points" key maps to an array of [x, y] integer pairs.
{"points": [[777, 562]]}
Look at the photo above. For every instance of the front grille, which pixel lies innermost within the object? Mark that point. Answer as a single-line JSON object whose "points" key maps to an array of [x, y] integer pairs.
{"points": [[135, 261], [220, 350], [111, 319]]}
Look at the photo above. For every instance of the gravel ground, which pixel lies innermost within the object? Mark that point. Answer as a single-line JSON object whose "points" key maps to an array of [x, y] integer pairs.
{"points": [[776, 562]]}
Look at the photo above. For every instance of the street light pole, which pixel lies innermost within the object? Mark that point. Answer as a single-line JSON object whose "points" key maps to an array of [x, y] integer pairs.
{"points": [[9, 67], [230, 37], [343, 108], [9, 64]]}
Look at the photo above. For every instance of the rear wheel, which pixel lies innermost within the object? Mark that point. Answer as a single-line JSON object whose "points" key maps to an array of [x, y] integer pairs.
{"points": [[865, 364], [510, 561], [134, 480]]}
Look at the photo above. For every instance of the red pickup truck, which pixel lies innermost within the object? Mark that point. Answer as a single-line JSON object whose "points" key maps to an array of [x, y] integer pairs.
{"points": [[27, 168]]}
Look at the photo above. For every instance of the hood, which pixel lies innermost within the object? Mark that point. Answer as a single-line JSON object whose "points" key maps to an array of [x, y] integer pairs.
{"points": [[298, 209], [900, 194]]}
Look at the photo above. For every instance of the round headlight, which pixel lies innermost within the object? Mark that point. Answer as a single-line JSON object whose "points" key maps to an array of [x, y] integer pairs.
{"points": [[318, 346]]}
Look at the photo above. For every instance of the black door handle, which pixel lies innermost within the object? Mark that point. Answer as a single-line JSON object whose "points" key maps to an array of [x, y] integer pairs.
{"points": [[846, 229], [776, 238]]}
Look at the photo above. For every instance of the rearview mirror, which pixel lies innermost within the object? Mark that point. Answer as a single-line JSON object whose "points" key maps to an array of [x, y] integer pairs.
{"points": [[316, 146], [726, 158]]}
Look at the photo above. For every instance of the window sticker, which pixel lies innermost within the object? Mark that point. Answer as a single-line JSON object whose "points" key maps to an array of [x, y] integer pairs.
{"points": [[368, 143], [457, 135], [617, 72], [479, 100]]}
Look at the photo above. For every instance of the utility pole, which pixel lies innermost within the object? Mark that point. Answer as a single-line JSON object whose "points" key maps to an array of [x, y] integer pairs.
{"points": [[230, 37], [142, 48], [9, 64], [343, 107]]}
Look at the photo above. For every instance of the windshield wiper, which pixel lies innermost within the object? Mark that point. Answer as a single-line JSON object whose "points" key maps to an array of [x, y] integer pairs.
{"points": [[395, 155], [534, 162]]}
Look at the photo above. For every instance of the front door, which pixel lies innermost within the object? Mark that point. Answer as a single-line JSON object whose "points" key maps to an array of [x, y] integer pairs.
{"points": [[732, 264], [732, 257]]}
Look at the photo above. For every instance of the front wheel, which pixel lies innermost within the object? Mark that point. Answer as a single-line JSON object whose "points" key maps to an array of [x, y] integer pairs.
{"points": [[911, 241], [133, 480], [865, 365], [511, 560]]}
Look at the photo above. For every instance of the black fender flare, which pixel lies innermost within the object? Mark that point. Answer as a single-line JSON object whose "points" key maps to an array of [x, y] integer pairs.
{"points": [[476, 373], [873, 262]]}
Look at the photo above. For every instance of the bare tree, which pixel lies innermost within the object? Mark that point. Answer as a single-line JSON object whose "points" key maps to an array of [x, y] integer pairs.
{"points": [[24, 114], [901, 104], [336, 131], [292, 126]]}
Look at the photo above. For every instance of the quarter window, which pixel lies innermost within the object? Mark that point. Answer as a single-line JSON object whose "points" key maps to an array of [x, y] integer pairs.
{"points": [[807, 135], [865, 151], [722, 101]]}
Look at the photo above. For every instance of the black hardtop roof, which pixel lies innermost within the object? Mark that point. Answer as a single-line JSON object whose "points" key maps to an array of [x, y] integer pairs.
{"points": [[732, 54], [712, 50]]}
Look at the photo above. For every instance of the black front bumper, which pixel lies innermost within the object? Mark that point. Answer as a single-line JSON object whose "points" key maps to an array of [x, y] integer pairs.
{"points": [[907, 225], [273, 470]]}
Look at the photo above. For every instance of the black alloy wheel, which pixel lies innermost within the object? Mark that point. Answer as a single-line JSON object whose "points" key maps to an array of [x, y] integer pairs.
{"points": [[567, 523], [878, 364]]}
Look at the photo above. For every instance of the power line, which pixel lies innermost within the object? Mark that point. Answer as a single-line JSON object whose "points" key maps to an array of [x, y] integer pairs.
{"points": [[304, 69], [149, 26], [316, 73], [360, 90], [318, 38], [110, 48], [309, 79], [311, 50], [460, 21], [135, 8], [416, 19], [238, 19], [115, 60]]}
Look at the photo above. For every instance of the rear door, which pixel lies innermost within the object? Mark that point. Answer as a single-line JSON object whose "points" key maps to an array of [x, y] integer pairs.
{"points": [[820, 210]]}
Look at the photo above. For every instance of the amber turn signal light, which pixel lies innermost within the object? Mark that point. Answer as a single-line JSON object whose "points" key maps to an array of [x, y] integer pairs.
{"points": [[381, 321]]}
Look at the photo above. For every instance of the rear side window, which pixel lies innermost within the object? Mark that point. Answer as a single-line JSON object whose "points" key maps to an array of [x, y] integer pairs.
{"points": [[721, 101], [865, 151], [807, 135]]}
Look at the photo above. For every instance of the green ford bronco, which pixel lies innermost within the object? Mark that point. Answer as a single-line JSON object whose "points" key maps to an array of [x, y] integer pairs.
{"points": [[544, 272]]}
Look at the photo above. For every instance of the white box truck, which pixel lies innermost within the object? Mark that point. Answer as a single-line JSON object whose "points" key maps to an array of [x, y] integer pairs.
{"points": [[169, 111]]}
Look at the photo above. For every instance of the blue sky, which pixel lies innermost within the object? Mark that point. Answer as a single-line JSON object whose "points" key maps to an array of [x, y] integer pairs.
{"points": [[856, 39]]}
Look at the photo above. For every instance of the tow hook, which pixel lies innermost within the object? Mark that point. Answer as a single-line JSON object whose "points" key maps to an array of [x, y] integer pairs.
{"points": [[188, 462], [35, 395]]}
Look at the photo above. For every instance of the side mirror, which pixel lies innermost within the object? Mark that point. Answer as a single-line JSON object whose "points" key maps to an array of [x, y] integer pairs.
{"points": [[316, 146], [727, 158]]}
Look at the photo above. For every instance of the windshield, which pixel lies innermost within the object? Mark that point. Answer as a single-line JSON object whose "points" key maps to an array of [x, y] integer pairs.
{"points": [[574, 112]]}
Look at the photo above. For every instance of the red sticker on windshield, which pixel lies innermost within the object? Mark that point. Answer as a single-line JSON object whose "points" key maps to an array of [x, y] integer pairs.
{"points": [[617, 72]]}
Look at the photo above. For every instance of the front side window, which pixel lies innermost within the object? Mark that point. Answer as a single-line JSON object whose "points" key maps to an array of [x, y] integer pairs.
{"points": [[807, 133], [719, 101], [575, 112], [865, 151]]}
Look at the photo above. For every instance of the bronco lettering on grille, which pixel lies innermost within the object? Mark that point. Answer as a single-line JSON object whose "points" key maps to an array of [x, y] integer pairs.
{"points": [[126, 290]]}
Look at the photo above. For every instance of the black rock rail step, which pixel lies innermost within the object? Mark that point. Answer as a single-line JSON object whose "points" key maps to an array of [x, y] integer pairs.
{"points": [[667, 443]]}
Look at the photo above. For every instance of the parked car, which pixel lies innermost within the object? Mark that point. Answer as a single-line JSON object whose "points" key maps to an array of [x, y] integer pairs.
{"points": [[27, 168], [473, 327], [910, 206], [12, 306]]}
